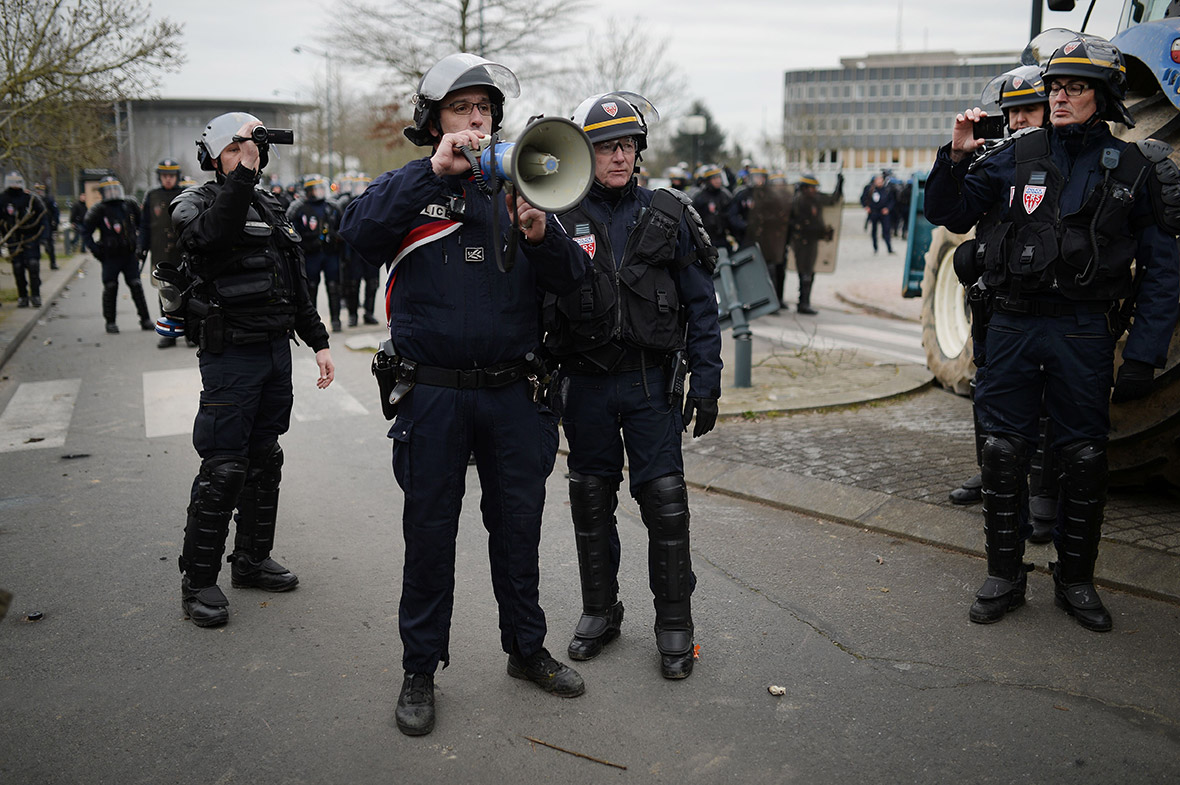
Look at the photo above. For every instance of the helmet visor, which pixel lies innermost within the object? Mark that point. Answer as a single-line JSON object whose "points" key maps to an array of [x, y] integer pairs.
{"points": [[1019, 86], [467, 70], [220, 131]]}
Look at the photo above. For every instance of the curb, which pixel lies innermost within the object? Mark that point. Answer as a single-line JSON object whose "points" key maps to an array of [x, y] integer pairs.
{"points": [[1120, 566]]}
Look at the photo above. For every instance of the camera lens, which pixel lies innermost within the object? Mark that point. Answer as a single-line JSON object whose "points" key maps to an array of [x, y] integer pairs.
{"points": [[259, 134]]}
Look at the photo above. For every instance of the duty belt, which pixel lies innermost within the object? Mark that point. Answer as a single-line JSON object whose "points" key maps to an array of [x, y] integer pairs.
{"points": [[632, 359], [245, 337], [474, 379], [1051, 307]]}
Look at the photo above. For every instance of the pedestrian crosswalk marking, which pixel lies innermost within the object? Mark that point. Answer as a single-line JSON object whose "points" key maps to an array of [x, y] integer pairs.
{"points": [[38, 416], [171, 398]]}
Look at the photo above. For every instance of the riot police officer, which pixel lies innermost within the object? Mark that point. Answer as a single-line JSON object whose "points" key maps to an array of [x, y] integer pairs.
{"points": [[806, 229], [115, 218], [156, 233], [1020, 94], [743, 202], [318, 220], [22, 222], [642, 317], [1074, 207], [711, 202], [249, 298], [463, 332], [353, 269]]}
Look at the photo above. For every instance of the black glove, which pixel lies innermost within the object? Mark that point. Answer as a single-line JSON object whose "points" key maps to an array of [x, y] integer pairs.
{"points": [[1134, 381], [706, 409]]}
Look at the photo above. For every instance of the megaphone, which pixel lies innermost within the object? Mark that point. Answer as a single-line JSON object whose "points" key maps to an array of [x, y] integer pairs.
{"points": [[551, 164]]}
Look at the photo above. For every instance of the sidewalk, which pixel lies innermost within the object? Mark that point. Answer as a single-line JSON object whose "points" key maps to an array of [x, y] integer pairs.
{"points": [[15, 323]]}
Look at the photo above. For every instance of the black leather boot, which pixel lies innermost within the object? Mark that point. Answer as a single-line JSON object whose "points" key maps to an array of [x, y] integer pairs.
{"points": [[547, 673], [110, 291], [206, 607], [415, 705], [970, 492]]}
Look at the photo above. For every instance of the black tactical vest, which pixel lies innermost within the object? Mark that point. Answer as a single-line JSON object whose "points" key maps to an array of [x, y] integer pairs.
{"points": [[1086, 255], [635, 302]]}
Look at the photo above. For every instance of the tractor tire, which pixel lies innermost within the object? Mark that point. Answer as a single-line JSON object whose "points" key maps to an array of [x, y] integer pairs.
{"points": [[1145, 434], [946, 319]]}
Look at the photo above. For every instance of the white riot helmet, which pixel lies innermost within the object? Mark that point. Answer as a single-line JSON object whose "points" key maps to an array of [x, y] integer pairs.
{"points": [[14, 180], [219, 134], [454, 72]]}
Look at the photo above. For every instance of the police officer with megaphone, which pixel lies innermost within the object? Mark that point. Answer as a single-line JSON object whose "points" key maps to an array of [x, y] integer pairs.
{"points": [[463, 333], [642, 317]]}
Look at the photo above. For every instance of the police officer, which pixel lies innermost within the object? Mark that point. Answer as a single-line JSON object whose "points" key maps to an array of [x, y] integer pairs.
{"points": [[22, 222], [115, 218], [1020, 94], [463, 330], [1075, 207], [678, 177], [743, 202], [877, 200], [806, 229], [249, 297], [52, 221], [353, 269], [643, 316], [156, 233], [711, 202], [318, 220]]}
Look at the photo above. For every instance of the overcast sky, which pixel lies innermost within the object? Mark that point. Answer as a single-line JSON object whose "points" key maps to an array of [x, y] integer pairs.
{"points": [[735, 62]]}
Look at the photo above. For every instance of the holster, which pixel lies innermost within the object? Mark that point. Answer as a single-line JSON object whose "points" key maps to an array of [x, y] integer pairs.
{"points": [[394, 375], [980, 303], [212, 332]]}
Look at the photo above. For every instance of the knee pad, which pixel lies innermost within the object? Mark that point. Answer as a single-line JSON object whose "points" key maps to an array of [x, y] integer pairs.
{"points": [[663, 503], [219, 482], [1003, 459], [1084, 463]]}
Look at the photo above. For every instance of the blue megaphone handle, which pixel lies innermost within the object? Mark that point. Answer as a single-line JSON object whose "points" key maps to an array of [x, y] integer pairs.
{"points": [[491, 160]]}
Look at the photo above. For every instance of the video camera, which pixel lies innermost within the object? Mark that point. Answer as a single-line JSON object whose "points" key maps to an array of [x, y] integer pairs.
{"points": [[261, 135]]}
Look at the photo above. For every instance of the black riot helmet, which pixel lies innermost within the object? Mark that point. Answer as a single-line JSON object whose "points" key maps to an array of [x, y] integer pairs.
{"points": [[1089, 57], [455, 72], [615, 116], [110, 189], [1022, 86], [168, 166]]}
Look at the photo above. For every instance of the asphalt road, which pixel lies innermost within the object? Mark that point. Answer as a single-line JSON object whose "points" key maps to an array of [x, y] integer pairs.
{"points": [[885, 679]]}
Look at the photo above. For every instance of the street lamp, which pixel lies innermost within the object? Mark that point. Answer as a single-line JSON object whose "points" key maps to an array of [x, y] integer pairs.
{"points": [[328, 80]]}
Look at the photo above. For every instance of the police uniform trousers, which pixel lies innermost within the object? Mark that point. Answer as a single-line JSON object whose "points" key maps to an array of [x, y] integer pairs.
{"points": [[26, 268], [115, 264], [607, 414], [246, 398], [1063, 363], [327, 264], [881, 220], [515, 444]]}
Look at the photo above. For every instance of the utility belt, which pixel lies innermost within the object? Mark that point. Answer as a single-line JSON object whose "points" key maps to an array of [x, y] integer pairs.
{"points": [[214, 336], [674, 365], [397, 375], [613, 358], [1051, 307]]}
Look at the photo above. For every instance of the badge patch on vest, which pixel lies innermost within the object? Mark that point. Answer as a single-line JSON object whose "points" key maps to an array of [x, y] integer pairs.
{"points": [[1033, 196], [588, 244], [473, 254]]}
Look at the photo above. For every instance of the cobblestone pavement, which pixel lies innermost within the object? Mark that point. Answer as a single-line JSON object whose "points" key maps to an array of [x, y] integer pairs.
{"points": [[917, 447]]}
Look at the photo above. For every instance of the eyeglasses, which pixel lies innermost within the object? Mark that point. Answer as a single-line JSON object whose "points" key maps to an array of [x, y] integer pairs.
{"points": [[463, 108], [627, 145], [1073, 89]]}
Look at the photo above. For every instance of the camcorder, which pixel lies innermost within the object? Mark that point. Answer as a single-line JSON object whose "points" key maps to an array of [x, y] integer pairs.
{"points": [[261, 135]]}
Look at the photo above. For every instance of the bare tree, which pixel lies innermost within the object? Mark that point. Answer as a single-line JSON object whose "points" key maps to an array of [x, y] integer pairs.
{"points": [[403, 38], [64, 62], [623, 57]]}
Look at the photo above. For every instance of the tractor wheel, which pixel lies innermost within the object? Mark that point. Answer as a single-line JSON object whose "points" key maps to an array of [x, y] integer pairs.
{"points": [[946, 319]]}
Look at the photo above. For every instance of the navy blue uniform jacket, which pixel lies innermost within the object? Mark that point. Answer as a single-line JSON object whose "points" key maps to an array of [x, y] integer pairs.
{"points": [[449, 305]]}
